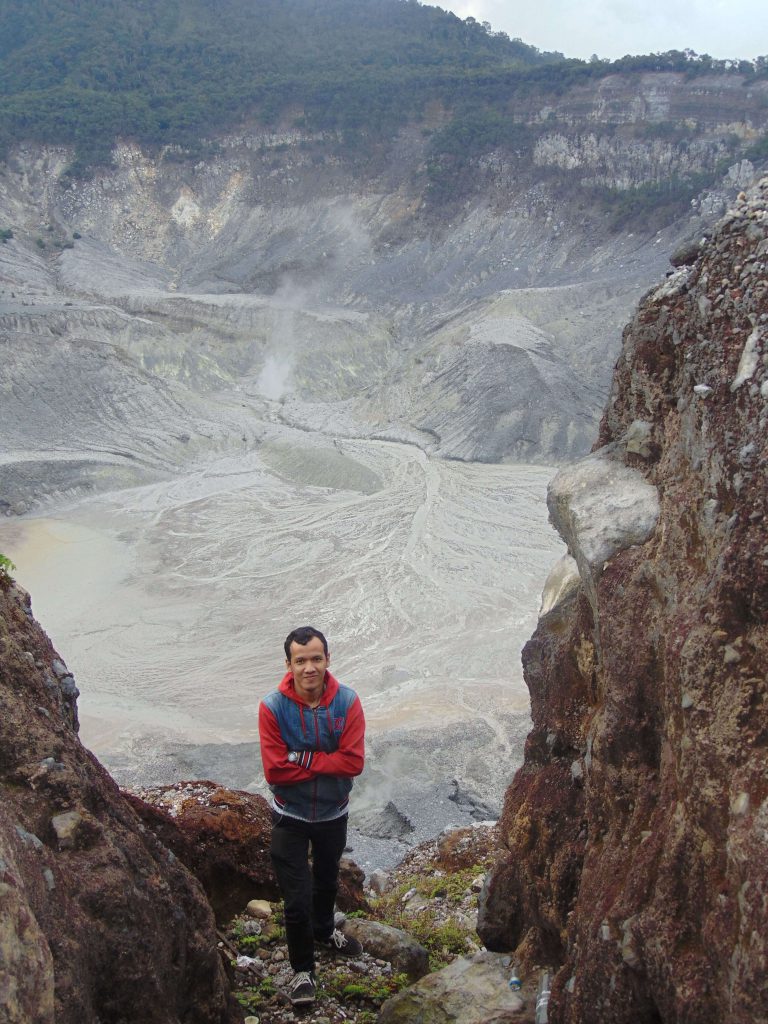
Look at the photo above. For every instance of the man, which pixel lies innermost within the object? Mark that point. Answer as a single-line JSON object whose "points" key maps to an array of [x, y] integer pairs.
{"points": [[312, 733]]}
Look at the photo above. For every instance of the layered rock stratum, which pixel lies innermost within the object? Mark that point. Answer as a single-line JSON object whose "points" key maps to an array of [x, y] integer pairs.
{"points": [[637, 862], [98, 920]]}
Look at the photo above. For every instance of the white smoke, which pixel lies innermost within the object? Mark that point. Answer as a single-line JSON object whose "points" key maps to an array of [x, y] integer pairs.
{"points": [[274, 377], [288, 303], [339, 240]]}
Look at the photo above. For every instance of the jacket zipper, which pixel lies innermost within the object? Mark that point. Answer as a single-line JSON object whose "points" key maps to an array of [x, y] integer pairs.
{"points": [[315, 780]]}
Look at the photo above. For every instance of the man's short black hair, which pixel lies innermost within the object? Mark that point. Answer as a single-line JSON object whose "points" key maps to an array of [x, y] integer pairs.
{"points": [[302, 636]]}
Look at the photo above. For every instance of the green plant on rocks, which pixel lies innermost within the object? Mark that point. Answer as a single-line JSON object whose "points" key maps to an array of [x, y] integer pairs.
{"points": [[454, 887], [348, 987], [272, 932], [253, 997], [6, 568], [434, 927], [444, 942]]}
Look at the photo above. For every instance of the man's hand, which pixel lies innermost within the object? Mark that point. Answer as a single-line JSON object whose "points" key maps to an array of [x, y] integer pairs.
{"points": [[303, 758]]}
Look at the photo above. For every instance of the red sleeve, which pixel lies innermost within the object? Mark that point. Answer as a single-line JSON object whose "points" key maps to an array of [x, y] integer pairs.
{"points": [[349, 758], [274, 752]]}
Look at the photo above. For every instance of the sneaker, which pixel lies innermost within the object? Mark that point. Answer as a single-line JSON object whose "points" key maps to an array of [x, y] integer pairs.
{"points": [[341, 944], [303, 989]]}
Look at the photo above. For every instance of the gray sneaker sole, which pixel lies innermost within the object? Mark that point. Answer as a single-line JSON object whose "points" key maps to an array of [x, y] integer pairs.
{"points": [[306, 1000]]}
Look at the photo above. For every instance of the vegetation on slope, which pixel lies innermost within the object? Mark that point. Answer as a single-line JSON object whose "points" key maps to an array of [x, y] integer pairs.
{"points": [[171, 71], [172, 74], [175, 71]]}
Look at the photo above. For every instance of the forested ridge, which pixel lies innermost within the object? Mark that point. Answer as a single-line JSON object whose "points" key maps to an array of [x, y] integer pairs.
{"points": [[178, 71], [169, 71]]}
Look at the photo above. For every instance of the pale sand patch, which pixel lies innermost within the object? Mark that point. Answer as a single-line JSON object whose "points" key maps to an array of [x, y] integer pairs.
{"points": [[50, 554]]}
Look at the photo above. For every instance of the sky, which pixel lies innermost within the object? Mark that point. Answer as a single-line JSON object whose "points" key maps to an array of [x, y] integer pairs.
{"points": [[613, 28]]}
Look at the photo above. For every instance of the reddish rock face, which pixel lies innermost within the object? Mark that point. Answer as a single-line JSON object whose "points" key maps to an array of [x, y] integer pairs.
{"points": [[351, 894], [637, 828], [461, 848], [222, 835], [98, 921]]}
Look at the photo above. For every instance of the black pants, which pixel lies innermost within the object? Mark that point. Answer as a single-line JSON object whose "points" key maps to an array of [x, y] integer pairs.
{"points": [[309, 894]]}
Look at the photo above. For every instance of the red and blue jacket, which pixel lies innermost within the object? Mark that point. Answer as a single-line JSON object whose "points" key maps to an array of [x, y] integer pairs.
{"points": [[330, 740]]}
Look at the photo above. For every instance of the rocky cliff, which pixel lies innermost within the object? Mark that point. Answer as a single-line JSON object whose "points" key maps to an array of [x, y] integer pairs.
{"points": [[98, 920], [636, 830]]}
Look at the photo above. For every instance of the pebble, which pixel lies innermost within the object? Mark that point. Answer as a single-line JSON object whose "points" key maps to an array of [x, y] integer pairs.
{"points": [[259, 909], [252, 927]]}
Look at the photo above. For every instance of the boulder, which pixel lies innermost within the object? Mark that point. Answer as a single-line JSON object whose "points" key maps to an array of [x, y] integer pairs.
{"points": [[223, 836], [391, 944], [467, 991], [261, 909]]}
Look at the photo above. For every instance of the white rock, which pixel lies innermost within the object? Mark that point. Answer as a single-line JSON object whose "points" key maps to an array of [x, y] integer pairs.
{"points": [[638, 437], [379, 880], [740, 804], [672, 285], [259, 908], [563, 579], [749, 360], [65, 826], [599, 507], [703, 390]]}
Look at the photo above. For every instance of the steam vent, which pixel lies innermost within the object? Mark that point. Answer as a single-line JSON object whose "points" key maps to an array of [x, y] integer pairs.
{"points": [[637, 829]]}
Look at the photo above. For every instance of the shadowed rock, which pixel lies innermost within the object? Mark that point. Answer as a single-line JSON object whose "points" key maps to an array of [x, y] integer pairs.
{"points": [[390, 944], [222, 835], [99, 921], [351, 881], [473, 991]]}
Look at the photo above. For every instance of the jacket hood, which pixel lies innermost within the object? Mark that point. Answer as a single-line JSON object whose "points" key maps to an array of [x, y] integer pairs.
{"points": [[331, 689]]}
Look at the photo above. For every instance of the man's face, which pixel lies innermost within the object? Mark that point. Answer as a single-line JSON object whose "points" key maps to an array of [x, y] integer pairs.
{"points": [[308, 664]]}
